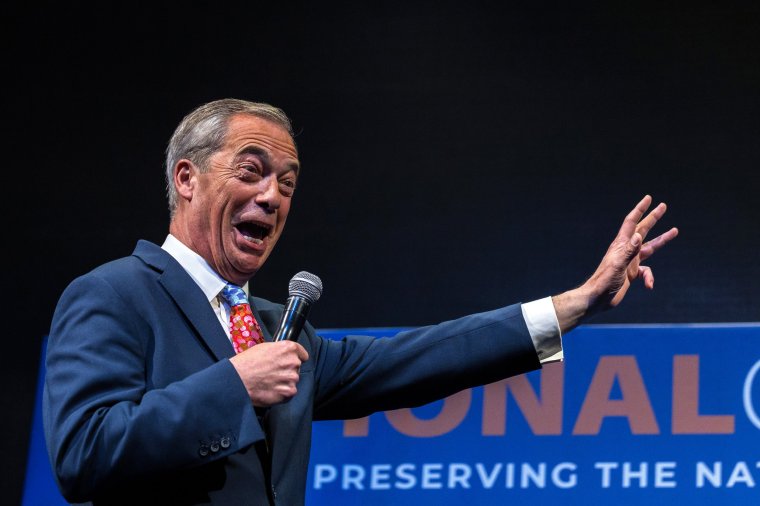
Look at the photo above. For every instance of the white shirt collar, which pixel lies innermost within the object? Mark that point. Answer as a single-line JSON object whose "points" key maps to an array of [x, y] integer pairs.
{"points": [[198, 269]]}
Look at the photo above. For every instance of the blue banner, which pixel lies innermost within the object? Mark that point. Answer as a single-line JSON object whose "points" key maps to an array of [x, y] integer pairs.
{"points": [[636, 414]]}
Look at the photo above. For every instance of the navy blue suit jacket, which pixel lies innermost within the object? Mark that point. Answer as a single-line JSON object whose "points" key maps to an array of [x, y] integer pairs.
{"points": [[142, 405]]}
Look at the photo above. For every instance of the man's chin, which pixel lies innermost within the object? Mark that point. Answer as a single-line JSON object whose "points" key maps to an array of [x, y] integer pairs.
{"points": [[250, 263], [248, 258]]}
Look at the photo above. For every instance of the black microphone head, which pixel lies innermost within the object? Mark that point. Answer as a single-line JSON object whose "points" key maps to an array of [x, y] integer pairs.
{"points": [[306, 285]]}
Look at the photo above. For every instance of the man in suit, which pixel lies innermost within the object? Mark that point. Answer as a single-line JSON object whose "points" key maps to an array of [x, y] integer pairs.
{"points": [[146, 399]]}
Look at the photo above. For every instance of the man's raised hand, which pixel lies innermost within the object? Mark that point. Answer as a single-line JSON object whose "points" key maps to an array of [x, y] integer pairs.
{"points": [[620, 266]]}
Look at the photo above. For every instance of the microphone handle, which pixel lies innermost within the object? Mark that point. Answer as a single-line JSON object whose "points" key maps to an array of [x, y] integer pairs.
{"points": [[292, 319]]}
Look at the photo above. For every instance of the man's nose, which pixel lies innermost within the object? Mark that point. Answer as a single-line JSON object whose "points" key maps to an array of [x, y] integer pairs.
{"points": [[269, 196]]}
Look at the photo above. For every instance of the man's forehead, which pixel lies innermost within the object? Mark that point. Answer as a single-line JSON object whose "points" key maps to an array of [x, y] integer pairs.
{"points": [[249, 133]]}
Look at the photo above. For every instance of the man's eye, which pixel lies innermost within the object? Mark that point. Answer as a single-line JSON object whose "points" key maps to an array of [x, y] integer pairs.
{"points": [[287, 186], [249, 167]]}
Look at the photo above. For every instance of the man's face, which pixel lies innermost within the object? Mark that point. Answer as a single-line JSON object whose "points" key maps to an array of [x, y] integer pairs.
{"points": [[239, 207]]}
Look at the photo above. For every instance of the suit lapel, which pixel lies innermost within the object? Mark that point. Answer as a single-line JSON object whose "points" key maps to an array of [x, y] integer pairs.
{"points": [[188, 297], [196, 308]]}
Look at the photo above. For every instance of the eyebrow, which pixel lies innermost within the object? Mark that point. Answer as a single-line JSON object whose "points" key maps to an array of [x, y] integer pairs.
{"points": [[264, 155]]}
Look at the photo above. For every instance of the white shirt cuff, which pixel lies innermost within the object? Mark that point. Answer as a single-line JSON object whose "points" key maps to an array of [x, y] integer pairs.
{"points": [[541, 319]]}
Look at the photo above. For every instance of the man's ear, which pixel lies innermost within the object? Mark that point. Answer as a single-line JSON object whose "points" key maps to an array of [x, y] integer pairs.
{"points": [[184, 178]]}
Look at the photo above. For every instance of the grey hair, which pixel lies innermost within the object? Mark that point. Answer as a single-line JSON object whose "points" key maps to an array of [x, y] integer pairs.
{"points": [[202, 133]]}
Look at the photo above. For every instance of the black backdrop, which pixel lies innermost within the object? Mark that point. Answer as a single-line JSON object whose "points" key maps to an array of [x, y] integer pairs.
{"points": [[457, 157]]}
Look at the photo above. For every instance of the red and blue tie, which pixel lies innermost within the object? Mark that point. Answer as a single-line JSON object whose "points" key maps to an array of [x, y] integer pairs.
{"points": [[244, 329]]}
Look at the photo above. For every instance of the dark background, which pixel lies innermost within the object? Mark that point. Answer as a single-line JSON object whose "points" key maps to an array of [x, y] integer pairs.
{"points": [[456, 157]]}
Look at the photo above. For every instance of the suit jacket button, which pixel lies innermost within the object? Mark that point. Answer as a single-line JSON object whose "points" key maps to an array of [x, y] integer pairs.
{"points": [[203, 450], [215, 446], [225, 442]]}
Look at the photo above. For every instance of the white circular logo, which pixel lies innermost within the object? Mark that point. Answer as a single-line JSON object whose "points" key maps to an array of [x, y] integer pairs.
{"points": [[747, 395]]}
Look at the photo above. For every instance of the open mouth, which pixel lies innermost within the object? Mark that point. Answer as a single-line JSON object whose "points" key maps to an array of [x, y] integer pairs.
{"points": [[253, 232]]}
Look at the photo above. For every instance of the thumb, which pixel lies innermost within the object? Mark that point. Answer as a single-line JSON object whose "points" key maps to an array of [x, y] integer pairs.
{"points": [[633, 247]]}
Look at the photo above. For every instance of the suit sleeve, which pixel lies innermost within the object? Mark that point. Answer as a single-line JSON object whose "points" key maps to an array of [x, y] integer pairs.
{"points": [[360, 375], [105, 422]]}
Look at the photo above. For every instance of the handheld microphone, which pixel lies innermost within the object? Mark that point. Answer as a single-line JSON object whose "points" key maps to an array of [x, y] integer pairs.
{"points": [[304, 290]]}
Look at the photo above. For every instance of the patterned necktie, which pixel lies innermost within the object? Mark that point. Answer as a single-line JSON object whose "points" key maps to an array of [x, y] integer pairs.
{"points": [[244, 329]]}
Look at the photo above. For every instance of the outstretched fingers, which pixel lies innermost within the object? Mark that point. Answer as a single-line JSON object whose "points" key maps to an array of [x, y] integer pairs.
{"points": [[651, 219], [621, 265], [646, 274], [631, 221], [649, 247]]}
